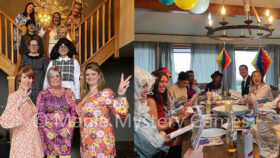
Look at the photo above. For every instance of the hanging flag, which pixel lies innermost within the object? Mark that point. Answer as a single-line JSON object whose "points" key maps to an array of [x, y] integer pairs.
{"points": [[223, 59], [262, 61]]}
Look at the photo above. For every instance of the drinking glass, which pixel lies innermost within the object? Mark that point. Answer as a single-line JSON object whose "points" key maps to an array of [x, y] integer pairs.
{"points": [[267, 138]]}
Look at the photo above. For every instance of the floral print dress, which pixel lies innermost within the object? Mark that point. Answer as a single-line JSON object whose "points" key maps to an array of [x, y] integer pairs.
{"points": [[26, 142], [97, 135], [56, 113]]}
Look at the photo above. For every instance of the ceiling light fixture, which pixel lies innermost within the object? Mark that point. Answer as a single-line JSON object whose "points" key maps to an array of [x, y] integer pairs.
{"points": [[225, 32]]}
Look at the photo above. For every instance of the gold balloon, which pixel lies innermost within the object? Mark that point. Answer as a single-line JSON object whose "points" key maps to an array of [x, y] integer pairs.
{"points": [[185, 4]]}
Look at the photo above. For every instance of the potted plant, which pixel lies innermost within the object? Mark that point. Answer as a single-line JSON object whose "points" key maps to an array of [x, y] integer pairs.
{"points": [[4, 143]]}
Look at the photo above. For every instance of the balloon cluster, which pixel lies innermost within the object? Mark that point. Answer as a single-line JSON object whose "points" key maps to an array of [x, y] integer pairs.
{"points": [[194, 6]]}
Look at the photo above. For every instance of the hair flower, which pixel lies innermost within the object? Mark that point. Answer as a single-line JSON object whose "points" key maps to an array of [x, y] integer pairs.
{"points": [[56, 68]]}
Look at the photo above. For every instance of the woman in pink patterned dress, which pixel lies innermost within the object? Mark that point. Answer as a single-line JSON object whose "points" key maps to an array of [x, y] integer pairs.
{"points": [[97, 135], [20, 115], [56, 116]]}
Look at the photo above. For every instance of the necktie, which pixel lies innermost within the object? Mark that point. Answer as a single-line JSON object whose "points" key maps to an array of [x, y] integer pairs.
{"points": [[242, 85]]}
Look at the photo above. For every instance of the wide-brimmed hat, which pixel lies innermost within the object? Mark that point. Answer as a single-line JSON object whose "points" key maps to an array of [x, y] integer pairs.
{"points": [[216, 73]]}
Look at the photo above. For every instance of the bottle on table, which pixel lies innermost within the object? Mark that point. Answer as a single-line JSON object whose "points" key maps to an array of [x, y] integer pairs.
{"points": [[208, 107], [231, 133]]}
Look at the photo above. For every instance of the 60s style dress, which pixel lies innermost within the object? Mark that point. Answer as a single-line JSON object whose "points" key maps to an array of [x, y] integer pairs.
{"points": [[97, 135], [26, 142], [56, 113]]}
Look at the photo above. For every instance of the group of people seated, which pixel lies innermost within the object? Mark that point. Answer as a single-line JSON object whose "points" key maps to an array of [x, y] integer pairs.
{"points": [[154, 101], [152, 124], [47, 106]]}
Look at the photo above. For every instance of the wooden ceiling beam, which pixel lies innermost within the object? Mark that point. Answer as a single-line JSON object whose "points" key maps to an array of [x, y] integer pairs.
{"points": [[231, 10]]}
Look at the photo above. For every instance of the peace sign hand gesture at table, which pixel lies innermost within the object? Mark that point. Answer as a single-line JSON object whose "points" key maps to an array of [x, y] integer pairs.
{"points": [[124, 84]]}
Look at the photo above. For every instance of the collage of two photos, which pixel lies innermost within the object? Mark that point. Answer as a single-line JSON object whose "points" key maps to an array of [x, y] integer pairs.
{"points": [[139, 78]]}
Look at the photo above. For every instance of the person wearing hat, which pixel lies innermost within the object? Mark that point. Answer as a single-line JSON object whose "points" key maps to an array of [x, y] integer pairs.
{"points": [[30, 35], [216, 82], [178, 90], [166, 71]]}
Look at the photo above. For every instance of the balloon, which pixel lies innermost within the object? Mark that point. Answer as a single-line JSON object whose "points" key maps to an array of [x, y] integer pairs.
{"points": [[185, 4], [200, 7], [167, 2]]}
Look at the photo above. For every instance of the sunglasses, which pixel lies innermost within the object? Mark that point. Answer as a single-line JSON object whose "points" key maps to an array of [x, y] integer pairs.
{"points": [[55, 76]]}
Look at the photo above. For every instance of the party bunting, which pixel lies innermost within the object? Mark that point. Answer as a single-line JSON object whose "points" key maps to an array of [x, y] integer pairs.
{"points": [[262, 61], [223, 59]]}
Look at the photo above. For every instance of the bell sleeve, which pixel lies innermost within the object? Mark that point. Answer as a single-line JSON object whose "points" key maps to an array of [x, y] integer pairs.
{"points": [[12, 116], [71, 100], [118, 105]]}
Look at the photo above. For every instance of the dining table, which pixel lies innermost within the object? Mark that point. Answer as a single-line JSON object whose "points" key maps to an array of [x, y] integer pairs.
{"points": [[218, 151]]}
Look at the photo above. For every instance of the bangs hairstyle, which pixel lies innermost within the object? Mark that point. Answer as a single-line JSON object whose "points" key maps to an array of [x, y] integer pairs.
{"points": [[32, 15], [27, 70], [72, 50], [101, 82], [160, 98], [50, 72], [252, 77]]}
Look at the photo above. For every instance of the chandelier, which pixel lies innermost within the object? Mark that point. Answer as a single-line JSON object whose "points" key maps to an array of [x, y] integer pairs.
{"points": [[45, 9], [227, 32]]}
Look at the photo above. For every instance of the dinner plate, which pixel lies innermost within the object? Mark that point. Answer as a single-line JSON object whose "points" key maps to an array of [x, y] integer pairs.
{"points": [[213, 132], [237, 109]]}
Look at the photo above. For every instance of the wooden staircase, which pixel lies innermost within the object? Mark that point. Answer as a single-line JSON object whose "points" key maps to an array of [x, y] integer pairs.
{"points": [[99, 37], [98, 34]]}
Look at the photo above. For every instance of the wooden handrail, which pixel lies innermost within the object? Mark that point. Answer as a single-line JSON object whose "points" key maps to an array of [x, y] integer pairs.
{"points": [[7, 42], [90, 14], [10, 19], [95, 31]]}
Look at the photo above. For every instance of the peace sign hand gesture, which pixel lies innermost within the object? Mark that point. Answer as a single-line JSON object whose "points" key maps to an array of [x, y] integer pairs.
{"points": [[124, 84], [24, 97]]}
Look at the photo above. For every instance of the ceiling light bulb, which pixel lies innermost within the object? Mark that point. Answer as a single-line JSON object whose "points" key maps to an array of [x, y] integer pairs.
{"points": [[267, 12], [209, 16], [247, 7], [210, 22], [223, 11], [270, 19]]}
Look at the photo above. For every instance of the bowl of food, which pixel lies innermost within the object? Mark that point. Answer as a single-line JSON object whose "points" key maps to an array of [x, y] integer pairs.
{"points": [[239, 125], [238, 110]]}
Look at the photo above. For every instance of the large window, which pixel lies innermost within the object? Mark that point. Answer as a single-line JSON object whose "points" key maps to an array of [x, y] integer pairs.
{"points": [[182, 61], [243, 58]]}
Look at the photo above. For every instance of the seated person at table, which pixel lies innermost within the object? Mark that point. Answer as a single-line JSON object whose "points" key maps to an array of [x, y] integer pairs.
{"points": [[245, 84], [165, 70], [159, 106], [259, 91], [148, 140], [216, 82], [178, 90], [192, 87]]}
